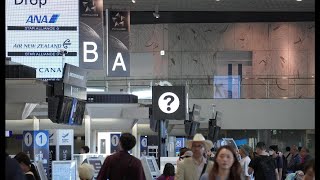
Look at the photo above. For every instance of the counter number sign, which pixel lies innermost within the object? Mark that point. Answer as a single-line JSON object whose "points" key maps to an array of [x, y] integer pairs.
{"points": [[115, 140], [28, 139], [41, 139]]}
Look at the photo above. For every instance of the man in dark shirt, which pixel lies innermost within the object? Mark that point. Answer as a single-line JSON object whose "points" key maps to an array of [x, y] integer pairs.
{"points": [[263, 165], [121, 165]]}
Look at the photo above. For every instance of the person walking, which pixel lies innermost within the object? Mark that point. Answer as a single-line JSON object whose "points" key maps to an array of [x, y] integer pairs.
{"points": [[226, 165], [121, 165], [192, 168]]}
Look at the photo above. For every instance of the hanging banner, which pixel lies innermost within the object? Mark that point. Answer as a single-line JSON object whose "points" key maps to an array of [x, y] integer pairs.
{"points": [[91, 34], [114, 142], [118, 28]]}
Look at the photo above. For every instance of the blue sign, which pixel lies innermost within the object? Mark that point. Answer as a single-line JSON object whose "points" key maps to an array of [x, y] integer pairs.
{"points": [[143, 145], [114, 142], [179, 144], [36, 145]]}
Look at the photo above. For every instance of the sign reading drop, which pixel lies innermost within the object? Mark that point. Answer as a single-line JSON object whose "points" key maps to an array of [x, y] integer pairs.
{"points": [[168, 102]]}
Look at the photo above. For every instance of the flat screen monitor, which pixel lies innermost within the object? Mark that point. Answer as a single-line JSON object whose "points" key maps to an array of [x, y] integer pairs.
{"points": [[150, 167], [64, 170], [191, 127], [68, 110]]}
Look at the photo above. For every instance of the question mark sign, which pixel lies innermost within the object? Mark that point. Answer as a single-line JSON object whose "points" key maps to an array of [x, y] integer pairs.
{"points": [[170, 101]]}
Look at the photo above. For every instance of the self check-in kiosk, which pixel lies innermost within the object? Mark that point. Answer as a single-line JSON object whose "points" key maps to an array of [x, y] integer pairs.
{"points": [[150, 167]]}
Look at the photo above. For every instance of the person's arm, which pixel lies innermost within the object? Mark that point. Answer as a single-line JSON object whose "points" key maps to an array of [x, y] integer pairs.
{"points": [[103, 173], [250, 170], [246, 169], [251, 166], [277, 174]]}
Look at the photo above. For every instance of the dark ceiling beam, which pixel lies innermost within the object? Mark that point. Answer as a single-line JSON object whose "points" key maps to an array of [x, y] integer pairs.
{"points": [[146, 17]]}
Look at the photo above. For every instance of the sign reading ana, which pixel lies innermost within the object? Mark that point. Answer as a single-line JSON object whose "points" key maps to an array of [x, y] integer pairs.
{"points": [[43, 34]]}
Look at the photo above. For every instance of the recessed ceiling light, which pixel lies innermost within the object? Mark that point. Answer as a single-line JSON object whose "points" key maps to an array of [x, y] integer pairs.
{"points": [[133, 1], [298, 0], [217, 0]]}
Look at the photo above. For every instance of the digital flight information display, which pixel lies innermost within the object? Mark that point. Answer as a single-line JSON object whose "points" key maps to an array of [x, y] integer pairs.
{"points": [[43, 34]]}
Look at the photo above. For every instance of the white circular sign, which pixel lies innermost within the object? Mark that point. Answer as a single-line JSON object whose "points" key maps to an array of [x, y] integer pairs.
{"points": [[115, 140], [41, 139], [28, 139], [144, 142], [169, 102]]}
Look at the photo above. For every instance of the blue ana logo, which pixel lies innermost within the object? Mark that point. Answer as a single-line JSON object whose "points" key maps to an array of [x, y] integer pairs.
{"points": [[42, 19], [65, 135]]}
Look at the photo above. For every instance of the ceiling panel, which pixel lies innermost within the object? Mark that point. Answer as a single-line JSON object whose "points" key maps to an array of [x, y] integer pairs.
{"points": [[212, 5]]}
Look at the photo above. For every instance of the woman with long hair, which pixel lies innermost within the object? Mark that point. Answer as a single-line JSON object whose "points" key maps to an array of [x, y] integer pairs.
{"points": [[27, 167], [226, 165]]}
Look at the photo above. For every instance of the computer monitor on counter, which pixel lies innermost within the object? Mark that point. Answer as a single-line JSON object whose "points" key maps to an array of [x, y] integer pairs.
{"points": [[150, 167]]}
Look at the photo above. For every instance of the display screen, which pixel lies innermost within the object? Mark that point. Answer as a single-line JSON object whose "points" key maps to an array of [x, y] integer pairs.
{"points": [[150, 163], [43, 34], [64, 170]]}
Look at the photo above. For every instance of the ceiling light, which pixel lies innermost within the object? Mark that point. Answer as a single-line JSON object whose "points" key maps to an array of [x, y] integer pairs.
{"points": [[162, 52], [298, 0], [156, 15], [133, 1], [156, 12]]}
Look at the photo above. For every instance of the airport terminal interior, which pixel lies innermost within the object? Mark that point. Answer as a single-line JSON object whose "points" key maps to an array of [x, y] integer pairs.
{"points": [[81, 73]]}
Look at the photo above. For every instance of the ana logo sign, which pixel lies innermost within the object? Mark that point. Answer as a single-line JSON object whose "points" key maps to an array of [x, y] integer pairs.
{"points": [[168, 102], [42, 19], [65, 138]]}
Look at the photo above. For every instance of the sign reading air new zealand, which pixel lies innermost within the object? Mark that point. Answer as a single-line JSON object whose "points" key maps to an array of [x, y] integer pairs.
{"points": [[118, 43], [168, 102], [75, 82]]}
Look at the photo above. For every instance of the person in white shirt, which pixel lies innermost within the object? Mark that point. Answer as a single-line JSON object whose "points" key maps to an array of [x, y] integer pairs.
{"points": [[244, 162]]}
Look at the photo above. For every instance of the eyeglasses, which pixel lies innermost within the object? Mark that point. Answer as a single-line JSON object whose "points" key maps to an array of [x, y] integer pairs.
{"points": [[197, 146]]}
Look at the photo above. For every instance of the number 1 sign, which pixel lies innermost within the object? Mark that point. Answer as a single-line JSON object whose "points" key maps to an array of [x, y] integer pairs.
{"points": [[36, 146]]}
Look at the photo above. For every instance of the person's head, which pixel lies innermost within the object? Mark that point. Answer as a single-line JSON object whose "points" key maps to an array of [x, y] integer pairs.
{"points": [[26, 165], [86, 171], [24, 161], [260, 148], [168, 170], [182, 151], [226, 160], [294, 150], [199, 145], [273, 150], [304, 152], [288, 149], [244, 150], [309, 170], [84, 149], [127, 141]]}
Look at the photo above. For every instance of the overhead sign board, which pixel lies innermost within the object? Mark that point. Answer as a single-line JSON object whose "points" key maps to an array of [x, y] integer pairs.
{"points": [[39, 32], [168, 102]]}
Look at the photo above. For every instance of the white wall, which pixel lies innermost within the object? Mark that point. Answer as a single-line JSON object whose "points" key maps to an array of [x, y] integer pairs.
{"points": [[261, 113]]}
